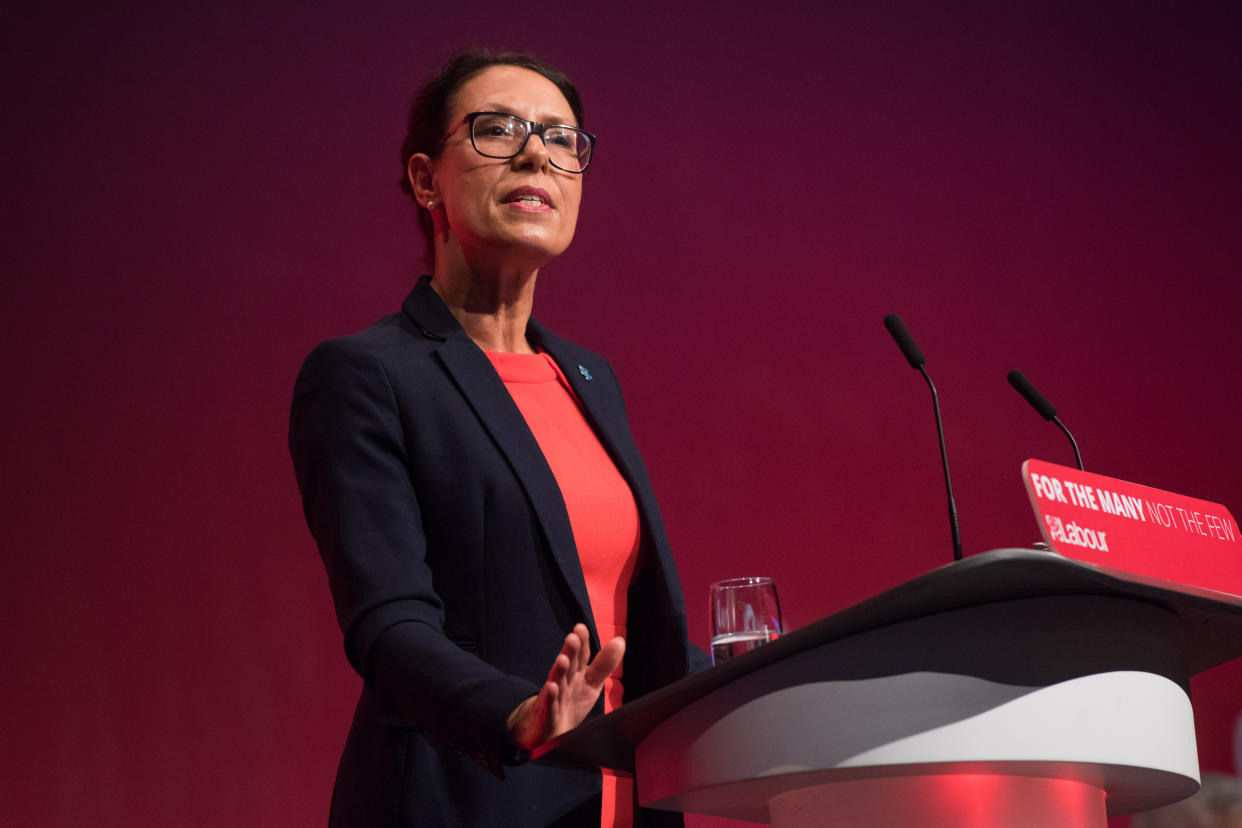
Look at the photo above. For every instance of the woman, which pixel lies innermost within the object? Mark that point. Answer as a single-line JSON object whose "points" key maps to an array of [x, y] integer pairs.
{"points": [[490, 535]]}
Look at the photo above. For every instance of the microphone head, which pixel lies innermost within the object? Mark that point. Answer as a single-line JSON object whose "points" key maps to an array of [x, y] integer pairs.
{"points": [[1023, 386], [904, 341]]}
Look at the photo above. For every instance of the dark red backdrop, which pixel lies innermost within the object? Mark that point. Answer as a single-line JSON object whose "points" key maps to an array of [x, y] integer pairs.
{"points": [[194, 197]]}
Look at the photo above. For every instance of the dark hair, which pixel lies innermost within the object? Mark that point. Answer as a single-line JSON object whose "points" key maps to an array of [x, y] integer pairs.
{"points": [[430, 111]]}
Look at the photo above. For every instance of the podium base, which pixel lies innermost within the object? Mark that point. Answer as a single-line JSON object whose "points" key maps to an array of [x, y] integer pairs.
{"points": [[1077, 689], [943, 801]]}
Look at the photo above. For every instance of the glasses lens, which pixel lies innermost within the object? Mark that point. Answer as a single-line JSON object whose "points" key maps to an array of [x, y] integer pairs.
{"points": [[502, 136], [498, 136], [568, 148]]}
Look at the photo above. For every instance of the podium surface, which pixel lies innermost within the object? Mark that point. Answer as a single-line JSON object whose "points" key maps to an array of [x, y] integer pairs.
{"points": [[1020, 672]]}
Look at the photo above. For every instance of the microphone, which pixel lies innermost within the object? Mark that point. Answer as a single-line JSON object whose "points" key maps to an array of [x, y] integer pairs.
{"points": [[1040, 403], [915, 357], [904, 341]]}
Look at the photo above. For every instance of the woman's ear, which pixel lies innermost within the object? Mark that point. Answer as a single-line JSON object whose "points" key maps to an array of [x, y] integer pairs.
{"points": [[422, 180]]}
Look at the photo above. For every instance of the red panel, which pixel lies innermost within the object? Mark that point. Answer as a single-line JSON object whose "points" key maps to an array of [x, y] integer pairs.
{"points": [[1135, 528]]}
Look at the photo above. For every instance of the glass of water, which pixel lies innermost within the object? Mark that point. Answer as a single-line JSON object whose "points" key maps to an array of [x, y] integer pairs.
{"points": [[745, 614]]}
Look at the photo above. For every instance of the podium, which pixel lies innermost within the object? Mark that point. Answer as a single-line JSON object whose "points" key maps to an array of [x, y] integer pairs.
{"points": [[1012, 688]]}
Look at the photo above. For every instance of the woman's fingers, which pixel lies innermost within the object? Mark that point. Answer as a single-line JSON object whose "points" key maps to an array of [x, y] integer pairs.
{"points": [[567, 659], [552, 694], [578, 663], [573, 685], [560, 668], [566, 696], [583, 635], [606, 662]]}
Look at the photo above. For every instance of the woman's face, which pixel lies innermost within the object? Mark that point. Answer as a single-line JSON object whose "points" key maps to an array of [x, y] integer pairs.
{"points": [[520, 210]]}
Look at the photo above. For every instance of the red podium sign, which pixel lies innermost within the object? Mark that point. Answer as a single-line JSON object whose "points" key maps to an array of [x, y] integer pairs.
{"points": [[1138, 529]]}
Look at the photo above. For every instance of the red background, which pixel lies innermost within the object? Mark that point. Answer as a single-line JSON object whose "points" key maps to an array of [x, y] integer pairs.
{"points": [[195, 194]]}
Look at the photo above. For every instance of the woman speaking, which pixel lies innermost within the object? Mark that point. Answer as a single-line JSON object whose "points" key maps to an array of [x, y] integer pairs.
{"points": [[491, 539]]}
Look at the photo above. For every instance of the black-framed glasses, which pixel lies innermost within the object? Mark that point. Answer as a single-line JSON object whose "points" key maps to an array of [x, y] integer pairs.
{"points": [[500, 135]]}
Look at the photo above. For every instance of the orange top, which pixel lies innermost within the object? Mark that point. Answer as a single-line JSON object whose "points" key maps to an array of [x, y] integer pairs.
{"points": [[601, 509]]}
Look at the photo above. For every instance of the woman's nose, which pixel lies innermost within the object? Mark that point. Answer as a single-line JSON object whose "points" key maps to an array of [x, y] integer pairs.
{"points": [[534, 153]]}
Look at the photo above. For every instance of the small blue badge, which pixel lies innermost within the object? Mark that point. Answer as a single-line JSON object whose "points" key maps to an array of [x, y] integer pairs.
{"points": [[585, 373]]}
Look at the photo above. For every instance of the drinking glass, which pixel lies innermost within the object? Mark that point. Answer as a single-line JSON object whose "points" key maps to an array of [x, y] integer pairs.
{"points": [[745, 614]]}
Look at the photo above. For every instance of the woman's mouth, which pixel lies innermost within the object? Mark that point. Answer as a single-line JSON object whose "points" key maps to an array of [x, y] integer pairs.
{"points": [[529, 198]]}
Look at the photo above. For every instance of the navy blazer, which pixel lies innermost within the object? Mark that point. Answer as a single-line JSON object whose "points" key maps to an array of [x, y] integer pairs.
{"points": [[454, 572]]}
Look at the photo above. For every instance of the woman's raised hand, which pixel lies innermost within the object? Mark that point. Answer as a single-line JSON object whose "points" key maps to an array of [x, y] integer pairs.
{"points": [[573, 685]]}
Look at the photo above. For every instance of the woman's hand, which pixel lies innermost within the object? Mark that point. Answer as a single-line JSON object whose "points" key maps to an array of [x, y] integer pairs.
{"points": [[573, 685]]}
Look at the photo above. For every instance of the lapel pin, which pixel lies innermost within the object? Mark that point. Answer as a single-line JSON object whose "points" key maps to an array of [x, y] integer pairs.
{"points": [[586, 375]]}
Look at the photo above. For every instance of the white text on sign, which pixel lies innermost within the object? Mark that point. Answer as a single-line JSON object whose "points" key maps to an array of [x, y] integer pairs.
{"points": [[1128, 506]]}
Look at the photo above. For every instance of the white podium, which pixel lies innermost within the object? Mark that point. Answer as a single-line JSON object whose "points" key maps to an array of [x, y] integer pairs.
{"points": [[1012, 688]]}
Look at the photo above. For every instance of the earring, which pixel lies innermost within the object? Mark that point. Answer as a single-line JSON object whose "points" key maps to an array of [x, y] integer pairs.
{"points": [[431, 204]]}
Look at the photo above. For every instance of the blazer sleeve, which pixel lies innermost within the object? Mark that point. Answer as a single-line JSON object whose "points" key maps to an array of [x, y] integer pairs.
{"points": [[349, 454]]}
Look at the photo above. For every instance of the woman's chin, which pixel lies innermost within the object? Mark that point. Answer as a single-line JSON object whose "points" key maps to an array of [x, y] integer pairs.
{"points": [[527, 248]]}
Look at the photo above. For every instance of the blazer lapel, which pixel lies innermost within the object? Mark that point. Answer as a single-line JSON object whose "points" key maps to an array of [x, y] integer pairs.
{"points": [[483, 389], [596, 391]]}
